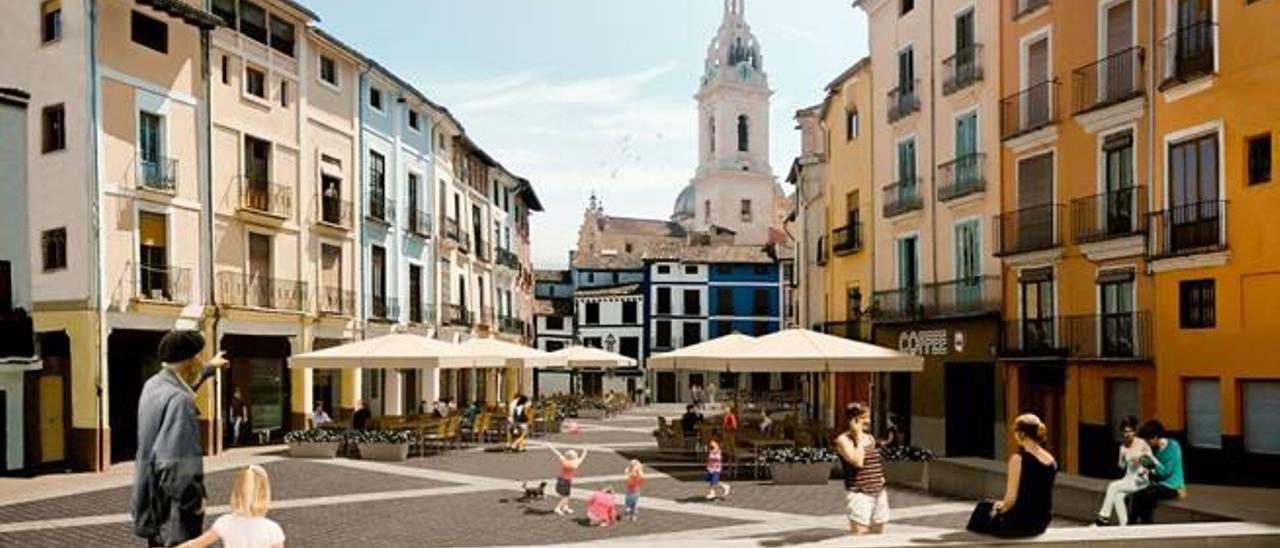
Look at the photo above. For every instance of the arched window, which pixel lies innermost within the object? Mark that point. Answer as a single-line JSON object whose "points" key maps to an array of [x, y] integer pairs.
{"points": [[713, 134], [742, 133]]}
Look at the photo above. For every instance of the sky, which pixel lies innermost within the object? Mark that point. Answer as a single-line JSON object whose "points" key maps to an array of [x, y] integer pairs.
{"points": [[583, 96]]}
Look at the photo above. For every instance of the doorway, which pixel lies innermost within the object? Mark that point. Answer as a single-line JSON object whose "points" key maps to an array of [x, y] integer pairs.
{"points": [[260, 374], [666, 387], [131, 360], [970, 409], [1043, 392]]}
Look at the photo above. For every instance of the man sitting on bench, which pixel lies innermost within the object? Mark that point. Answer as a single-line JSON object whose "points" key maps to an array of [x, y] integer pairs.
{"points": [[1166, 472]]}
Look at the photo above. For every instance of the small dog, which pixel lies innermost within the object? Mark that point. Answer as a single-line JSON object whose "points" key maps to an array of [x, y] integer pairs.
{"points": [[534, 493]]}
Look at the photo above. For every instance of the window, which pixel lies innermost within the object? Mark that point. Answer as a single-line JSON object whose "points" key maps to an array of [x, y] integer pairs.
{"points": [[50, 21], [1261, 409], [553, 346], [760, 302], [413, 120], [662, 334], [1116, 290], [1260, 159], [226, 73], [629, 248], [724, 301], [555, 323], [415, 293], [906, 72], [53, 243], [850, 124], [153, 257], [664, 300], [706, 209], [1203, 410], [1196, 304], [629, 312], [592, 314], [150, 149], [150, 32], [692, 302], [53, 128], [253, 21], [375, 98], [905, 6], [853, 302], [284, 93], [226, 9], [592, 342], [664, 269], [691, 270], [743, 133], [328, 70], [691, 332], [255, 82], [746, 211], [629, 347], [282, 36]]}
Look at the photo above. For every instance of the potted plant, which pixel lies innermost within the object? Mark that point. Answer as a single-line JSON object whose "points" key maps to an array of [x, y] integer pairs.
{"points": [[391, 445], [591, 409], [799, 465], [907, 465], [314, 444]]}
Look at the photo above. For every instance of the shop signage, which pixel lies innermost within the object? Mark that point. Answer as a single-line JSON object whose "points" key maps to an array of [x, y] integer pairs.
{"points": [[931, 342]]}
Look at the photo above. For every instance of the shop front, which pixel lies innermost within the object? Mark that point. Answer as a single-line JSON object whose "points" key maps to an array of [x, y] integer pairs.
{"points": [[258, 378]]}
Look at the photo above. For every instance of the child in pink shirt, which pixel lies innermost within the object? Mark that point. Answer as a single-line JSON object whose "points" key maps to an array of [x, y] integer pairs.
{"points": [[714, 463], [601, 509]]}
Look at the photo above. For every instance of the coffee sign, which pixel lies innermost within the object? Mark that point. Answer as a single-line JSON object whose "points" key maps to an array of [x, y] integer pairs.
{"points": [[931, 342]]}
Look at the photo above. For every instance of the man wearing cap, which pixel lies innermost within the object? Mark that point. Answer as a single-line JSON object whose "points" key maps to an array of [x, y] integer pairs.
{"points": [[168, 484]]}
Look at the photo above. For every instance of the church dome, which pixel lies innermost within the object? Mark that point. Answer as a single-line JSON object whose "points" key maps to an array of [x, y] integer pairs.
{"points": [[686, 204]]}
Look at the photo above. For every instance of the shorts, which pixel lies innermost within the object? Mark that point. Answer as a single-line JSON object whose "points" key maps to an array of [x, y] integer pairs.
{"points": [[713, 478], [563, 486], [867, 510]]}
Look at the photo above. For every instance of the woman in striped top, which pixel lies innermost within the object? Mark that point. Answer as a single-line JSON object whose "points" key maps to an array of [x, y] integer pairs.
{"points": [[866, 499]]}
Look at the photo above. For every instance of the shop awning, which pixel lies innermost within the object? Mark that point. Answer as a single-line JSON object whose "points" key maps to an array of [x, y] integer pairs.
{"points": [[585, 357], [714, 354], [514, 355]]}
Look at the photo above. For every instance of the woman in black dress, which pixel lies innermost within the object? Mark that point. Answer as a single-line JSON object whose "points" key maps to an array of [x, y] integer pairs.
{"points": [[1027, 505]]}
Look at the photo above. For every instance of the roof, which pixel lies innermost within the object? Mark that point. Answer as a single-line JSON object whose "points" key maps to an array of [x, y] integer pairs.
{"points": [[620, 261], [530, 197], [641, 227], [298, 7], [747, 254], [192, 15], [548, 275], [610, 291], [848, 73], [553, 307]]}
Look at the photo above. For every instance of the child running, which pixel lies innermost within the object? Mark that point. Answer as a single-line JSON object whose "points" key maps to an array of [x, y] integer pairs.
{"points": [[635, 480], [570, 461], [714, 462], [247, 525]]}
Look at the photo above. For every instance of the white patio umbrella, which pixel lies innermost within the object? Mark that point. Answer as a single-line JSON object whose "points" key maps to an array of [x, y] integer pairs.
{"points": [[395, 351], [512, 354], [580, 357], [805, 351], [714, 354]]}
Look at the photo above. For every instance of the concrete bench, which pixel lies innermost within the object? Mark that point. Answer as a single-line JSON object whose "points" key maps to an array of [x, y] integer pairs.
{"points": [[1074, 497], [1218, 535]]}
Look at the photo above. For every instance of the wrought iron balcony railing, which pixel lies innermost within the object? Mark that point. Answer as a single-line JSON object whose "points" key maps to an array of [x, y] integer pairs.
{"points": [[961, 177], [162, 284], [1187, 230], [903, 101], [1188, 53], [847, 239], [333, 211], [159, 174], [481, 252], [337, 301], [962, 69], [382, 307], [511, 325], [423, 312], [1028, 110], [1109, 215], [457, 315], [381, 207], [1030, 229], [902, 197], [507, 258], [1108, 81], [962, 297], [237, 289], [419, 222], [260, 196], [858, 330], [1118, 335]]}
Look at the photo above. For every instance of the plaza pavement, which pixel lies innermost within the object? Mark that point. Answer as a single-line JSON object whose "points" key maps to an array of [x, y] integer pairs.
{"points": [[468, 498]]}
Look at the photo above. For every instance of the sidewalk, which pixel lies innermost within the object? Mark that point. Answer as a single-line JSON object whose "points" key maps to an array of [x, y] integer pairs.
{"points": [[1256, 504]]}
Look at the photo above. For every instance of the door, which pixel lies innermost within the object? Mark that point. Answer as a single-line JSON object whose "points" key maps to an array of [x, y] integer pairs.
{"points": [[378, 281], [1035, 220], [153, 268], [1117, 318], [52, 420], [1194, 37], [970, 408], [906, 170], [331, 278], [966, 161], [378, 186], [666, 387], [257, 154], [908, 274], [1043, 394], [1119, 203], [1036, 101], [966, 56], [6, 286], [413, 204], [691, 333], [149, 151], [1036, 288], [1193, 203], [260, 270], [906, 73], [1119, 74], [968, 266], [131, 360]]}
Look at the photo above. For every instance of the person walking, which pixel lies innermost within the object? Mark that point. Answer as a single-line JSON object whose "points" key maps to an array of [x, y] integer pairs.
{"points": [[1166, 466], [570, 461], [1136, 476], [715, 463], [247, 526], [1027, 506], [168, 482], [360, 419], [520, 422], [866, 499], [239, 417], [635, 481]]}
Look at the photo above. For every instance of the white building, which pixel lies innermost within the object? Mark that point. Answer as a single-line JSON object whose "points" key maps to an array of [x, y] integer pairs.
{"points": [[612, 318]]}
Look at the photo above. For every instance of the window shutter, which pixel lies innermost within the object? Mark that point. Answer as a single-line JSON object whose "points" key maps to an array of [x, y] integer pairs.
{"points": [[1261, 415], [1203, 408]]}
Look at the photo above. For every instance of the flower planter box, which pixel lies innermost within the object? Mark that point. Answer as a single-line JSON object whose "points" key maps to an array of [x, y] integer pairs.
{"points": [[384, 451], [908, 473], [794, 473], [313, 449]]}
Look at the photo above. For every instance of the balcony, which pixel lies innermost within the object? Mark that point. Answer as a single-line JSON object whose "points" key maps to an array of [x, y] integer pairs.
{"points": [[506, 258], [511, 325], [857, 330], [382, 308], [457, 315], [335, 301], [486, 317], [891, 305], [1110, 215], [1109, 81], [963, 297], [903, 101], [1028, 110], [1188, 54], [265, 198], [902, 197], [158, 174], [481, 252], [334, 212], [423, 312], [961, 177], [381, 208], [1111, 336], [17, 335], [162, 284], [962, 69], [1188, 229], [237, 289], [1030, 229], [450, 228], [419, 223], [1023, 7], [847, 239]]}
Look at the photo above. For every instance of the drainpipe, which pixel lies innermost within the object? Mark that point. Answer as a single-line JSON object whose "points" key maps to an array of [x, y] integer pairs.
{"points": [[933, 152], [205, 180], [1151, 116], [97, 259]]}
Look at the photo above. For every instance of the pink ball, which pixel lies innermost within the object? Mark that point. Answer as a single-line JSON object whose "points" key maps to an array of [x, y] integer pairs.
{"points": [[574, 427]]}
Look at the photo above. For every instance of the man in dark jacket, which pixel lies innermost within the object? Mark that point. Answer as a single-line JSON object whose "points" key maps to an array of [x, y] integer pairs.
{"points": [[168, 484]]}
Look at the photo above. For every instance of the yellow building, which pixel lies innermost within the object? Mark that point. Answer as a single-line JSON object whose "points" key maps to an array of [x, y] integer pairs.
{"points": [[1212, 235]]}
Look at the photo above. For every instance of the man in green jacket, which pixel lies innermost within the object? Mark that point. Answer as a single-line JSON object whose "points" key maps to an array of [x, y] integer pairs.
{"points": [[1166, 473]]}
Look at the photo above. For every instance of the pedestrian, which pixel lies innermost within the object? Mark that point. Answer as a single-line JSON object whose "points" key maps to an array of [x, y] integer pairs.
{"points": [[168, 481], [1027, 505], [866, 499], [570, 461], [247, 526], [695, 394], [689, 421], [602, 509], [731, 420], [715, 462], [520, 422], [438, 409], [319, 417], [360, 419], [239, 417], [1133, 450], [1168, 480], [425, 408], [635, 481]]}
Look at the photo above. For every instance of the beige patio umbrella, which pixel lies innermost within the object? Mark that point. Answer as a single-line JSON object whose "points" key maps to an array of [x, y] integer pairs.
{"points": [[513, 355], [714, 354], [585, 357], [805, 351], [395, 351]]}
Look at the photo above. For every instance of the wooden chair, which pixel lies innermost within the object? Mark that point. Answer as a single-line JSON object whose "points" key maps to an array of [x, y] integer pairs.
{"points": [[735, 455]]}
